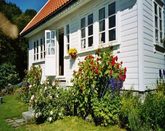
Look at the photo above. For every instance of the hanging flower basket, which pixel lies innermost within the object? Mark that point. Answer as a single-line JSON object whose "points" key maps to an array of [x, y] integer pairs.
{"points": [[72, 53]]}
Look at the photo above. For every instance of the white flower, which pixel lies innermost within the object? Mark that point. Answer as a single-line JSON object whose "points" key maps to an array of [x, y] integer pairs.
{"points": [[39, 114], [46, 88], [36, 115], [57, 95], [30, 86], [51, 112], [53, 83], [32, 97], [50, 119], [50, 97]]}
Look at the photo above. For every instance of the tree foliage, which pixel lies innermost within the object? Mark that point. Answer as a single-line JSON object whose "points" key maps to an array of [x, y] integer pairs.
{"points": [[14, 51]]}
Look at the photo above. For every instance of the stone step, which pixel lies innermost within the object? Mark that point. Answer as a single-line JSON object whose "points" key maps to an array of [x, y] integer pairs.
{"points": [[28, 116]]}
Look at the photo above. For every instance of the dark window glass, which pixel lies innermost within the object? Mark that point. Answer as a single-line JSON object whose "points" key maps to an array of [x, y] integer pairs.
{"points": [[68, 47], [160, 25], [67, 29], [112, 21], [101, 13], [112, 9], [156, 21], [37, 46], [160, 13], [82, 33], [156, 34], [155, 6], [102, 25], [83, 23], [112, 35], [90, 30], [90, 19], [34, 47], [102, 37], [90, 41]]}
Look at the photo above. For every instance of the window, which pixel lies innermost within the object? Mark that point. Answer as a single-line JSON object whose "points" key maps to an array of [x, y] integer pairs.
{"points": [[112, 21], [87, 31], [90, 30], [68, 37], [83, 33], [42, 49], [158, 22], [36, 50], [102, 25]]}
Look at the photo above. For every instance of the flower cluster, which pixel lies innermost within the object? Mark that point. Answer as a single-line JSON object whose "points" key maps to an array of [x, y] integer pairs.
{"points": [[73, 53]]}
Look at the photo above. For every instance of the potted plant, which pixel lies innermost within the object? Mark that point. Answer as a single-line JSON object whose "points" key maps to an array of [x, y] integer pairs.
{"points": [[72, 53]]}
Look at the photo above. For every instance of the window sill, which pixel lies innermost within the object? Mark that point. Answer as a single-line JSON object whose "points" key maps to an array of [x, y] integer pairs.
{"points": [[159, 48], [39, 61], [91, 50]]}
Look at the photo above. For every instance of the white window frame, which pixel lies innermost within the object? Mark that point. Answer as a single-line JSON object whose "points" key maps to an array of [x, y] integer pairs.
{"points": [[158, 41], [42, 49], [67, 30], [107, 29], [86, 28]]}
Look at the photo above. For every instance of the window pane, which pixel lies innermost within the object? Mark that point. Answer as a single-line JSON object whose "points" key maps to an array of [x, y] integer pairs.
{"points": [[83, 23], [160, 13], [90, 41], [83, 43], [112, 35], [102, 37], [90, 19], [160, 25], [90, 30], [34, 47], [102, 25], [156, 21], [82, 33], [112, 21], [48, 35], [112, 9], [68, 47], [52, 34], [155, 6], [102, 13], [160, 36], [156, 35], [52, 51], [67, 29], [37, 46]]}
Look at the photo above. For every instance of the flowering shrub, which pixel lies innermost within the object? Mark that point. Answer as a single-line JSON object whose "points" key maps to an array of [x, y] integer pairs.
{"points": [[51, 102], [73, 53], [30, 84], [97, 79]]}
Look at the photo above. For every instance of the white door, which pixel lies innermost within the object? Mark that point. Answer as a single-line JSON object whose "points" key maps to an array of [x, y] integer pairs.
{"points": [[50, 58]]}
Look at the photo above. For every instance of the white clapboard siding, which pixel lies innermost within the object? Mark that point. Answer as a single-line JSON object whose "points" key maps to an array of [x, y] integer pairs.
{"points": [[152, 61]]}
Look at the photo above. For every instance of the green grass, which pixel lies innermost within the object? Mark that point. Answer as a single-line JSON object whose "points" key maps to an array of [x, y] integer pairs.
{"points": [[13, 108]]}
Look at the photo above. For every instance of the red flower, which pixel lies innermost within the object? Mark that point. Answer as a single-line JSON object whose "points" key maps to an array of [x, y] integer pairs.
{"points": [[122, 77], [89, 57], [117, 66], [125, 70], [121, 62], [113, 62], [96, 71], [116, 58]]}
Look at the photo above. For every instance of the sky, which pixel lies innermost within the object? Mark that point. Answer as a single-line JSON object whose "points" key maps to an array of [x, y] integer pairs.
{"points": [[29, 4]]}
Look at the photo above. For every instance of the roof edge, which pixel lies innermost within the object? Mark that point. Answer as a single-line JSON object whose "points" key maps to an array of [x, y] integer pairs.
{"points": [[50, 16]]}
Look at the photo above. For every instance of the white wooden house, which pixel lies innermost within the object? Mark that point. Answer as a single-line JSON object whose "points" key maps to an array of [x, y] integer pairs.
{"points": [[135, 28]]}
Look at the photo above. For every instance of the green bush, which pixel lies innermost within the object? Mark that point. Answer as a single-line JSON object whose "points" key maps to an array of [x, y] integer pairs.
{"points": [[31, 84], [153, 110], [130, 115], [8, 75], [51, 102], [96, 85]]}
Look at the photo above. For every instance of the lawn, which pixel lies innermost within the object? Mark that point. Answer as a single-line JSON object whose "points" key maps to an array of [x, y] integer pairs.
{"points": [[13, 108]]}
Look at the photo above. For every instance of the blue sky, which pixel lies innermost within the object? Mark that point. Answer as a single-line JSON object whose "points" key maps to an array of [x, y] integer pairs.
{"points": [[29, 4]]}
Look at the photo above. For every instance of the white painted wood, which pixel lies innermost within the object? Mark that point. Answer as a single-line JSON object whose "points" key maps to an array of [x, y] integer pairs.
{"points": [[50, 58]]}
